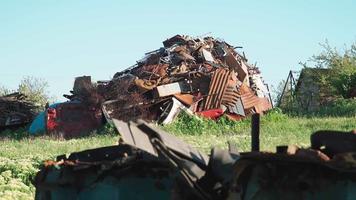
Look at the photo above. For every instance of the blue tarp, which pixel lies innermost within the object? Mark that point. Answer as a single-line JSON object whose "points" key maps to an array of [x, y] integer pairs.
{"points": [[38, 125]]}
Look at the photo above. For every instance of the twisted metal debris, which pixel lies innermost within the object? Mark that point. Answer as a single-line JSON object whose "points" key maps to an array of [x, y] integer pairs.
{"points": [[15, 110]]}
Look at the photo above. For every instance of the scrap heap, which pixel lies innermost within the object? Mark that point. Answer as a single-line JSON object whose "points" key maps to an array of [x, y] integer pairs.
{"points": [[203, 76], [15, 110]]}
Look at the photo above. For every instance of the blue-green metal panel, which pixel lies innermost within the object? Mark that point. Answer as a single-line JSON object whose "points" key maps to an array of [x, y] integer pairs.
{"points": [[112, 188]]}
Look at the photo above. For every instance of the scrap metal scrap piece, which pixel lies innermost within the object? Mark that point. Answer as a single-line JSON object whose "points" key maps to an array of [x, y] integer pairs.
{"points": [[237, 108], [251, 101], [191, 164], [140, 136], [177, 39], [333, 142], [133, 136], [217, 88], [239, 67], [16, 110], [72, 119], [207, 56], [171, 110], [114, 173], [172, 88], [187, 99], [258, 175]]}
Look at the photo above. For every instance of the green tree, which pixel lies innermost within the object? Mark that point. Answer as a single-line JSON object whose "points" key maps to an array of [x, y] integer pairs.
{"points": [[342, 65], [35, 89], [4, 91]]}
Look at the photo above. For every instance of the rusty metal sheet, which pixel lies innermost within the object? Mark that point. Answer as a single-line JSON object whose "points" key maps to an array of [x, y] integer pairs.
{"points": [[187, 99], [234, 64], [231, 96], [217, 88], [263, 105], [250, 100], [238, 108], [177, 39]]}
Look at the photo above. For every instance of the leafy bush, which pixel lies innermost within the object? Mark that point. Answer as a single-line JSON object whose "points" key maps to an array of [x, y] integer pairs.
{"points": [[342, 76], [15, 178], [107, 129], [4, 91], [340, 107], [35, 89], [20, 133]]}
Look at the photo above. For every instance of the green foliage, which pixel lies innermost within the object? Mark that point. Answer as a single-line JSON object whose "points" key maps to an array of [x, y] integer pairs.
{"points": [[4, 91], [275, 115], [340, 107], [35, 89], [337, 108], [342, 76], [193, 125], [344, 82], [108, 129], [15, 178], [20, 133]]}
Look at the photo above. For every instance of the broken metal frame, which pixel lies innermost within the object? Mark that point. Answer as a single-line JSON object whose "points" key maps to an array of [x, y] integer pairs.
{"points": [[291, 82]]}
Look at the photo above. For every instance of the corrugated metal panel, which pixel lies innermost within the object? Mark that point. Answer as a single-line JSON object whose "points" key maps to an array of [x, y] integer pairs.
{"points": [[231, 96], [237, 108], [250, 100], [217, 88]]}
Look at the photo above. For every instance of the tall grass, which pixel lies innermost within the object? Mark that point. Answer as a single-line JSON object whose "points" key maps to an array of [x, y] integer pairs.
{"points": [[336, 108]]}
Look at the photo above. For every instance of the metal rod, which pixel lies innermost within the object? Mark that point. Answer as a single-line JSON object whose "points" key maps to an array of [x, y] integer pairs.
{"points": [[255, 132], [284, 89], [269, 95]]}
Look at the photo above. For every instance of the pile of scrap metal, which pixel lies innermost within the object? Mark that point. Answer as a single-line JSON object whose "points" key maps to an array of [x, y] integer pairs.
{"points": [[202, 76], [149, 163], [16, 111]]}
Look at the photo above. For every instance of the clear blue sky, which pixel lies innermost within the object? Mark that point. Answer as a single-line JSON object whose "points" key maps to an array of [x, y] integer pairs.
{"points": [[60, 39]]}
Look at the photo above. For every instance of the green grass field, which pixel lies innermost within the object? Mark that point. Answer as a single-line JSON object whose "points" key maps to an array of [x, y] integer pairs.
{"points": [[21, 156]]}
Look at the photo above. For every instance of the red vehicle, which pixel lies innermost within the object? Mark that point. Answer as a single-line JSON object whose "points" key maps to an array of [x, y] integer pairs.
{"points": [[73, 119]]}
